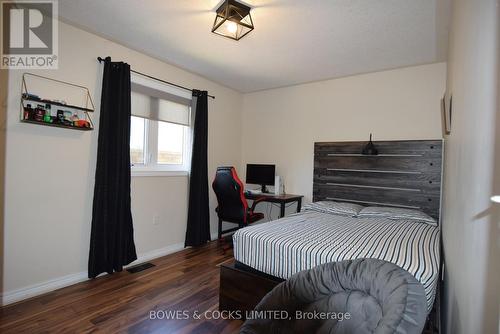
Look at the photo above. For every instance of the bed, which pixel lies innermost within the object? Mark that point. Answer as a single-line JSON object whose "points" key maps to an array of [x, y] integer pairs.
{"points": [[302, 241], [405, 174]]}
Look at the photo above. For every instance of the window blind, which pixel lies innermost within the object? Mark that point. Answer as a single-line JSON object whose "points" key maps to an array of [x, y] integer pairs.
{"points": [[157, 105]]}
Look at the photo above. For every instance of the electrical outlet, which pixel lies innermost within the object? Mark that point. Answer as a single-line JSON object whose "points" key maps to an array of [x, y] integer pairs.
{"points": [[156, 220]]}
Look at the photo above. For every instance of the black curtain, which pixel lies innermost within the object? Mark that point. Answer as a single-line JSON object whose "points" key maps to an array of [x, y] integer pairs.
{"points": [[198, 224], [112, 237]]}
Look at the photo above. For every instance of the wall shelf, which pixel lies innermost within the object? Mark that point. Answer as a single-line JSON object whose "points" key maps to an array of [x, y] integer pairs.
{"points": [[57, 125], [56, 113], [54, 103]]}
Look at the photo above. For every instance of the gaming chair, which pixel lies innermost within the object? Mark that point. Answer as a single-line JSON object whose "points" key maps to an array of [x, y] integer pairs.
{"points": [[232, 204]]}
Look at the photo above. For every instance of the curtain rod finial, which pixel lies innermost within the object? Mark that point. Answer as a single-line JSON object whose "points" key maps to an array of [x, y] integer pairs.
{"points": [[100, 59]]}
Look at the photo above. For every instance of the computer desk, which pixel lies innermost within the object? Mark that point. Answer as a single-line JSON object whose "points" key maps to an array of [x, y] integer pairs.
{"points": [[282, 200]]}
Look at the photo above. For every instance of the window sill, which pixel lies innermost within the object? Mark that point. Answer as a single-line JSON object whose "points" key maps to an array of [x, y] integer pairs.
{"points": [[158, 173]]}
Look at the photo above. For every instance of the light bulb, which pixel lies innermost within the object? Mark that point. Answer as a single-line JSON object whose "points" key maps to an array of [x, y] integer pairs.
{"points": [[495, 199], [231, 27]]}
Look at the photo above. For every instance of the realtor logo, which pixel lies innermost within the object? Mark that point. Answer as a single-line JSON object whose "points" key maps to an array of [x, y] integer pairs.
{"points": [[29, 34]]}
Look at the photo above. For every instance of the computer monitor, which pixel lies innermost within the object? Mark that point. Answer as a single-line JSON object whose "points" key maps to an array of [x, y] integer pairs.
{"points": [[261, 174]]}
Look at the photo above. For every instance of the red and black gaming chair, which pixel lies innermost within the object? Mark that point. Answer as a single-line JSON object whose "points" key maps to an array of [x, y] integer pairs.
{"points": [[232, 204]]}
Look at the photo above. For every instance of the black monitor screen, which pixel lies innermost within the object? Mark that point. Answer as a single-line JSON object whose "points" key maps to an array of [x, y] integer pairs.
{"points": [[261, 174]]}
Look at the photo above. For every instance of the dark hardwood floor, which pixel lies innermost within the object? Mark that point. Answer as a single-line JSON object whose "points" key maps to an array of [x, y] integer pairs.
{"points": [[184, 281]]}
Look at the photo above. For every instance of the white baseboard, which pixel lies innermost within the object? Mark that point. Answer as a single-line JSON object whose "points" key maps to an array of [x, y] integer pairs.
{"points": [[13, 296]]}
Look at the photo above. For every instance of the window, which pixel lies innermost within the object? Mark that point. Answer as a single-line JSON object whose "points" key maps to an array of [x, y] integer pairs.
{"points": [[170, 143], [137, 140], [159, 132]]}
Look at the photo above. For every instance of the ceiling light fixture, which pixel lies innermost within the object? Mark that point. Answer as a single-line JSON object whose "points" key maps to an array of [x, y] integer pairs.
{"points": [[233, 20]]}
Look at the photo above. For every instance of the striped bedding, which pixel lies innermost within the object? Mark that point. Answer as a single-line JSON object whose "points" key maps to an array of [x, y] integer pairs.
{"points": [[301, 241]]}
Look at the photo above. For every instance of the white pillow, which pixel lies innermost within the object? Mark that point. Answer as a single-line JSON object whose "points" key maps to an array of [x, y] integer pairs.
{"points": [[336, 208], [396, 214]]}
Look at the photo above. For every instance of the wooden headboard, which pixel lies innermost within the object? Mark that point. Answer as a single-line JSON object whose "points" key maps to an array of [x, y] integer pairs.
{"points": [[404, 174]]}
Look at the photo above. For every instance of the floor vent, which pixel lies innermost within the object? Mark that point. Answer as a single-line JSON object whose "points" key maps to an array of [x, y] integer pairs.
{"points": [[140, 267]]}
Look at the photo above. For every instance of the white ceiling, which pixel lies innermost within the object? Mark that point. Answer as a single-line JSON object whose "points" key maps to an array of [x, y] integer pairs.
{"points": [[294, 41]]}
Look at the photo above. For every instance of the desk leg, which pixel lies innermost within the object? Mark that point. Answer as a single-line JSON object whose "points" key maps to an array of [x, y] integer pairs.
{"points": [[282, 210], [299, 204]]}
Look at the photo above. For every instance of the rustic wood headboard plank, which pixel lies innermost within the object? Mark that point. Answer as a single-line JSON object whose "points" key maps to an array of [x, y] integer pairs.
{"points": [[404, 174]]}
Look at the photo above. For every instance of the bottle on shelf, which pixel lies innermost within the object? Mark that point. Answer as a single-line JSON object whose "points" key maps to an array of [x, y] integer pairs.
{"points": [[39, 113], [47, 117], [28, 112]]}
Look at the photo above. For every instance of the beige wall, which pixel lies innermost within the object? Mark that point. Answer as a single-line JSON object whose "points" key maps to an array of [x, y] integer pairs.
{"points": [[280, 126], [470, 229], [50, 174]]}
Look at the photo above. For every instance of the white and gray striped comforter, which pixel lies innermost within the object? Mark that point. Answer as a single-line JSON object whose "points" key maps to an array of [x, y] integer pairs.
{"points": [[288, 245]]}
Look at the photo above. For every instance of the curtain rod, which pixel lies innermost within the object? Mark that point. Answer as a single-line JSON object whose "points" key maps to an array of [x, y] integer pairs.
{"points": [[100, 59]]}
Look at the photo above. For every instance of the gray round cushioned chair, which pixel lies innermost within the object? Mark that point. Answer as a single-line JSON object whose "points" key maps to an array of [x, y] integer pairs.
{"points": [[356, 297]]}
